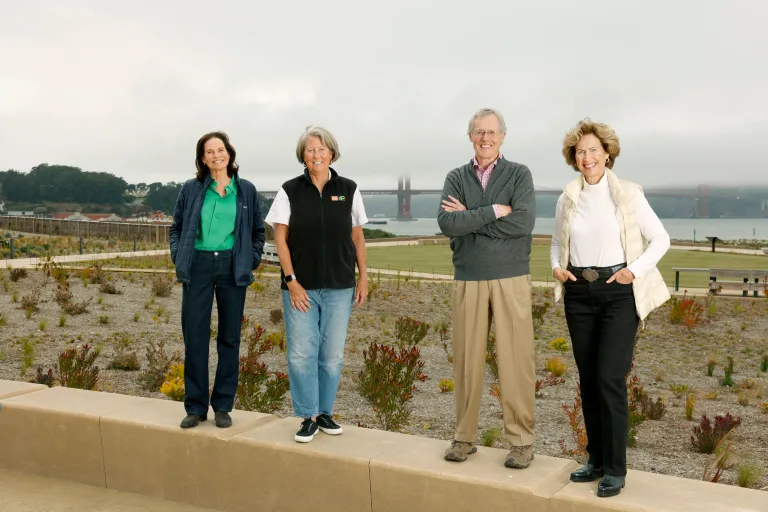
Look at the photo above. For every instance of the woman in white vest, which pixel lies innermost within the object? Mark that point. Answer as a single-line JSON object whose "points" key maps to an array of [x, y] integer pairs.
{"points": [[605, 248]]}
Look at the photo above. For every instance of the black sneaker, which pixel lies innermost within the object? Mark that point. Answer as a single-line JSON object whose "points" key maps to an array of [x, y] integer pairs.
{"points": [[327, 425], [307, 431]]}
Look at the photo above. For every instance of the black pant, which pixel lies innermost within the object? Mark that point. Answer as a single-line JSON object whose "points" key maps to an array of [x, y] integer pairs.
{"points": [[603, 324], [212, 272]]}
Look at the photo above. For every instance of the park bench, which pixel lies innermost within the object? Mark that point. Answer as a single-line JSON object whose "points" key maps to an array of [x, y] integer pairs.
{"points": [[755, 281]]}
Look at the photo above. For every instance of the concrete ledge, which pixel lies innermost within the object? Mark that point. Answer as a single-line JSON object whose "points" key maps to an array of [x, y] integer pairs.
{"points": [[10, 388], [414, 476], [279, 474], [56, 432], [146, 452], [135, 444], [651, 492]]}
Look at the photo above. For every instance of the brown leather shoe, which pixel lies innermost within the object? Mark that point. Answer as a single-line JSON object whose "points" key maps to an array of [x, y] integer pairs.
{"points": [[519, 457], [459, 451]]}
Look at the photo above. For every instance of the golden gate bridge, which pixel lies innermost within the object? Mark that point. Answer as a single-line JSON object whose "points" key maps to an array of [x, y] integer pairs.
{"points": [[404, 192]]}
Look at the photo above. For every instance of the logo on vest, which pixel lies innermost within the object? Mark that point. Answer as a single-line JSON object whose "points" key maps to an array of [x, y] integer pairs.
{"points": [[338, 198]]}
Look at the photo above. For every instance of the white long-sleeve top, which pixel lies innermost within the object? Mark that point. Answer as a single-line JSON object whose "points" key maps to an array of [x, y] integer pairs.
{"points": [[595, 237]]}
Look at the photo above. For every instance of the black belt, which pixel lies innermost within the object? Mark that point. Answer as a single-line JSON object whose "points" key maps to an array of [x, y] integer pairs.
{"points": [[594, 273]]}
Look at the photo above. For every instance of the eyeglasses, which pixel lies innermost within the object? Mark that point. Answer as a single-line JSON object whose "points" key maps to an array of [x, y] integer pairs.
{"points": [[482, 133]]}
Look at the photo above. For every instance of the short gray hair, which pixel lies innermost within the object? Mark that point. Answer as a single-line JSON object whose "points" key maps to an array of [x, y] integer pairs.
{"points": [[487, 112], [327, 139]]}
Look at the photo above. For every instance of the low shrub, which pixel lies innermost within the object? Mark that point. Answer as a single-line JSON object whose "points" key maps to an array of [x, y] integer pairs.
{"points": [[158, 364], [489, 436], [276, 316], [446, 386], [109, 288], [44, 378], [548, 381], [559, 344], [538, 313], [409, 332], [690, 401], [711, 366], [17, 273], [31, 301], [578, 430], [162, 286], [259, 389], [727, 380], [706, 435], [679, 389], [442, 330], [76, 368], [124, 360], [556, 366], [173, 385], [748, 475], [76, 308], [387, 382]]}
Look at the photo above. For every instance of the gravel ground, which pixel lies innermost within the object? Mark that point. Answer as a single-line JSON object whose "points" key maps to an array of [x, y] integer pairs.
{"points": [[666, 354]]}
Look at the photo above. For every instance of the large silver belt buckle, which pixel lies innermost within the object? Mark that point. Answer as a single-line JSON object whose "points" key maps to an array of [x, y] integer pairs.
{"points": [[590, 274]]}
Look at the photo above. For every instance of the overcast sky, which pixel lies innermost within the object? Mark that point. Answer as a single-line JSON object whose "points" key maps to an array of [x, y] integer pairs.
{"points": [[129, 87]]}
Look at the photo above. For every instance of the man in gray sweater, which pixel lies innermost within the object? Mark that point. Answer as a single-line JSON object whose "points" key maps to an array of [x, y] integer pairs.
{"points": [[488, 208]]}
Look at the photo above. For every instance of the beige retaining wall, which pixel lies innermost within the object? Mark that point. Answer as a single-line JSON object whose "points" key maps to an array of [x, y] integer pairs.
{"points": [[134, 444]]}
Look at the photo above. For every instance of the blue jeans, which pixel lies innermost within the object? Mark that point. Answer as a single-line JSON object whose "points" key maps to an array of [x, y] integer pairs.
{"points": [[315, 341]]}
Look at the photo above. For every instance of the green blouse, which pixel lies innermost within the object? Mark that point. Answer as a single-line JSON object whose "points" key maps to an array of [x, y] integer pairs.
{"points": [[217, 219]]}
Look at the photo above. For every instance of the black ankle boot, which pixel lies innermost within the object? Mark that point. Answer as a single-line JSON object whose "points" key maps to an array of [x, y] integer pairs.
{"points": [[610, 486], [586, 473]]}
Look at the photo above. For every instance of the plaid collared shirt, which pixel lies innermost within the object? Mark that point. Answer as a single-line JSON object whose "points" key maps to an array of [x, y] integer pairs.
{"points": [[484, 175]]}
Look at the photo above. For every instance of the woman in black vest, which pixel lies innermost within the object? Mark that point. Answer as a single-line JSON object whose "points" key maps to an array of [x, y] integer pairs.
{"points": [[318, 218]]}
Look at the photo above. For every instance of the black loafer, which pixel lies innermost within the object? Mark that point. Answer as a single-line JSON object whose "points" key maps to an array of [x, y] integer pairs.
{"points": [[586, 473], [223, 420], [610, 486], [192, 420]]}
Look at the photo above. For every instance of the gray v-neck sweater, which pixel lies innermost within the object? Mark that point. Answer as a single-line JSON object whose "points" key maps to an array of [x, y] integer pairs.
{"points": [[484, 247]]}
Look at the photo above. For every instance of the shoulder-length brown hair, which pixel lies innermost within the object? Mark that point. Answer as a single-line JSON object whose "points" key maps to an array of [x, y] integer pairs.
{"points": [[202, 169]]}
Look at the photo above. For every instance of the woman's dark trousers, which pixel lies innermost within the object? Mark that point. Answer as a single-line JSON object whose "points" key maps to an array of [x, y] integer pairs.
{"points": [[603, 324], [211, 274]]}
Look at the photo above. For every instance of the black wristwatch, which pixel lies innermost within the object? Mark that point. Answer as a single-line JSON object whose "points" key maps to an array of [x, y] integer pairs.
{"points": [[289, 278]]}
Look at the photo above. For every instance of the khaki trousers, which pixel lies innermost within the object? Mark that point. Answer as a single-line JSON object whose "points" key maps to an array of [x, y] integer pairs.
{"points": [[508, 303]]}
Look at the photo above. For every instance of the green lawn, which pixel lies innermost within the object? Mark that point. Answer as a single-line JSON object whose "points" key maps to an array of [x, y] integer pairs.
{"points": [[437, 259]]}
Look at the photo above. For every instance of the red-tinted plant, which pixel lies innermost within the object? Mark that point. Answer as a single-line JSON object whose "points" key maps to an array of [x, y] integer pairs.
{"points": [[550, 380], [691, 311], [387, 382], [409, 332], [707, 435], [578, 430], [76, 368], [258, 388]]}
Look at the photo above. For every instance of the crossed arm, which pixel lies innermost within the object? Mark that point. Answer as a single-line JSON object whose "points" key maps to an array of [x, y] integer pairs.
{"points": [[514, 220]]}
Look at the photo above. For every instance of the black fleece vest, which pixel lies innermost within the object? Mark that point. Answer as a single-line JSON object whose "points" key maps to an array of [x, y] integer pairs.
{"points": [[320, 232]]}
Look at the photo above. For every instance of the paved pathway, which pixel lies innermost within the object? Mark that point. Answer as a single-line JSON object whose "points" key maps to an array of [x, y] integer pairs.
{"points": [[21, 492]]}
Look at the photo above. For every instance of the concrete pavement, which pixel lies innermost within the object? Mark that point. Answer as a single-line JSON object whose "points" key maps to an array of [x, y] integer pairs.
{"points": [[22, 492]]}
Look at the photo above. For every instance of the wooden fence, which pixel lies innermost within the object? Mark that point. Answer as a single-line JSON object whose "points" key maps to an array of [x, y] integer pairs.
{"points": [[127, 231]]}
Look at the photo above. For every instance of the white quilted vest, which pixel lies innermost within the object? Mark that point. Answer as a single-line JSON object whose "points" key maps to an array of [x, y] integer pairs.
{"points": [[650, 290]]}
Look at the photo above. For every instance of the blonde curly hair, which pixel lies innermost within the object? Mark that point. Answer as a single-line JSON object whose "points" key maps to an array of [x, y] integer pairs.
{"points": [[603, 132]]}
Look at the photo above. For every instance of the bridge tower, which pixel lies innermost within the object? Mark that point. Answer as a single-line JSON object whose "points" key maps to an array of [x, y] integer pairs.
{"points": [[702, 202], [404, 198]]}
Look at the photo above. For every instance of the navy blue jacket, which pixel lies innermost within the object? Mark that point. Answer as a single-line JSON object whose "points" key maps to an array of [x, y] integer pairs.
{"points": [[249, 229]]}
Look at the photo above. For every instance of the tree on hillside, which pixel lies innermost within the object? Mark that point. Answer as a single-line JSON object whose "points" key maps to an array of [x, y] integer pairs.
{"points": [[63, 184], [163, 197]]}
